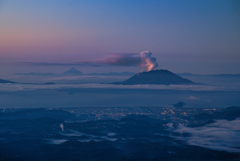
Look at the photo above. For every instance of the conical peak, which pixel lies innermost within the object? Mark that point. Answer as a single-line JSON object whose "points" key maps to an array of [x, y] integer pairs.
{"points": [[163, 77], [73, 71]]}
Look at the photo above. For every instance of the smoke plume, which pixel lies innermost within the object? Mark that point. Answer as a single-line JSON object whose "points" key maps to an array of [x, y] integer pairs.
{"points": [[62, 127], [143, 60], [148, 62]]}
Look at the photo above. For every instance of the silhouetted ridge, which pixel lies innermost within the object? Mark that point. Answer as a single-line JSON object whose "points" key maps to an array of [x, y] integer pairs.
{"points": [[73, 71], [164, 77], [233, 108], [5, 81], [36, 113]]}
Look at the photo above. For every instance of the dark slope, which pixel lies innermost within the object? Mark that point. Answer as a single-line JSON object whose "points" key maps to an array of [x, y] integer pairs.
{"points": [[73, 71], [5, 81], [163, 77], [37, 113], [224, 115]]}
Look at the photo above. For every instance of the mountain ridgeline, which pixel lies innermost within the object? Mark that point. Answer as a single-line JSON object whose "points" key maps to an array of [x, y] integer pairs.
{"points": [[163, 77], [5, 81]]}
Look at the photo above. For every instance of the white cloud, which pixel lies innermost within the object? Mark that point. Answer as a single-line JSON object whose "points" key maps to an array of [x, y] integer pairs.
{"points": [[221, 135], [193, 98], [22, 87]]}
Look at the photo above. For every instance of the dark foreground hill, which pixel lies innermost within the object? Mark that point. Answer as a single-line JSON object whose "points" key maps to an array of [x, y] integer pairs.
{"points": [[5, 81], [226, 115], [163, 77], [48, 135], [32, 113]]}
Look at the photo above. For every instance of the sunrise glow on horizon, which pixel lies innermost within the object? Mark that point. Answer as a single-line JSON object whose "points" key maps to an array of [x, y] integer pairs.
{"points": [[180, 35]]}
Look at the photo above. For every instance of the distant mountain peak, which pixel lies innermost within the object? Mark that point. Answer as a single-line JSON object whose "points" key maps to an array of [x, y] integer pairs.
{"points": [[73, 71], [163, 77], [73, 68]]}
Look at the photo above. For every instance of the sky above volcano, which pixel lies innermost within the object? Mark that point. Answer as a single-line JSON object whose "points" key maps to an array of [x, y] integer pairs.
{"points": [[200, 36]]}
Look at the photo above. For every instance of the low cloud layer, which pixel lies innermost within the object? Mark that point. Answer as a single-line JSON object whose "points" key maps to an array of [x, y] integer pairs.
{"points": [[28, 87], [221, 135], [144, 60]]}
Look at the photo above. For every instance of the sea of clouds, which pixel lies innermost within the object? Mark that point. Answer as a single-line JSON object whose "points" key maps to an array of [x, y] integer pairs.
{"points": [[221, 135], [24, 87]]}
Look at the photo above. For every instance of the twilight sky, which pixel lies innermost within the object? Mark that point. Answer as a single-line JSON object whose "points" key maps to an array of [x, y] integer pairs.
{"points": [[200, 36]]}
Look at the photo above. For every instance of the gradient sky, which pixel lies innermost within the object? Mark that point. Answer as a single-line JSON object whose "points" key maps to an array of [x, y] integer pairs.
{"points": [[197, 36]]}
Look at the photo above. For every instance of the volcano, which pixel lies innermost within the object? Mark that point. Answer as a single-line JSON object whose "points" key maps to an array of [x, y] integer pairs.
{"points": [[73, 71], [163, 77]]}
